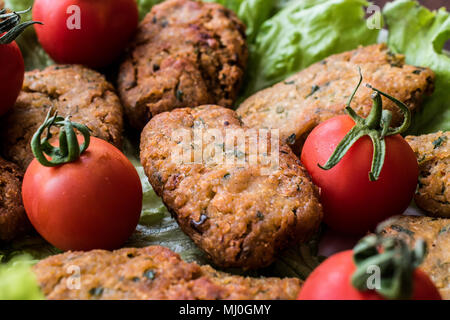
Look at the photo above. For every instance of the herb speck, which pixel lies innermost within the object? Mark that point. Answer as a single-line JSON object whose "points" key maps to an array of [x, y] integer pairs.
{"points": [[179, 95], [291, 139], [98, 291], [314, 89], [439, 141], [149, 274]]}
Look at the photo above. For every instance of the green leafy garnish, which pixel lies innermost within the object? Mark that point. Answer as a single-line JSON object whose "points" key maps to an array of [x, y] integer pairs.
{"points": [[302, 33], [18, 282], [420, 34], [439, 141]]}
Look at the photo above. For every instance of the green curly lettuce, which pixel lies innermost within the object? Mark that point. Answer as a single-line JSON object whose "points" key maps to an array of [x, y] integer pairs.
{"points": [[18, 282], [305, 32], [420, 34]]}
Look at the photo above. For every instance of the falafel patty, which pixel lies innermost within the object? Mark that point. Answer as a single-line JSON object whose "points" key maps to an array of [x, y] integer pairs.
{"points": [[185, 54], [151, 273], [319, 92], [241, 212], [13, 219], [72, 90], [433, 154], [436, 233]]}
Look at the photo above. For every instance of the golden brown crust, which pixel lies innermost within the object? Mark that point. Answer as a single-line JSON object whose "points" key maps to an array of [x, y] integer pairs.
{"points": [[185, 54], [433, 154], [13, 219], [239, 215], [436, 232], [150, 273], [71, 90], [301, 102]]}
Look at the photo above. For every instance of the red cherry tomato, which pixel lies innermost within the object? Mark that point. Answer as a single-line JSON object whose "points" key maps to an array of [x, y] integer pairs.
{"points": [[92, 203], [103, 31], [352, 203], [332, 281], [11, 76]]}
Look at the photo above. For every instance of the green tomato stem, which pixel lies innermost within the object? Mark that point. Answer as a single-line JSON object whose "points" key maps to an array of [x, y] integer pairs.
{"points": [[69, 149], [11, 25], [396, 263], [376, 126]]}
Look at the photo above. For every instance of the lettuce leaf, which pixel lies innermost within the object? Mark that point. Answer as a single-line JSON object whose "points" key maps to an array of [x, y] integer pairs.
{"points": [[420, 34], [17, 281], [302, 33]]}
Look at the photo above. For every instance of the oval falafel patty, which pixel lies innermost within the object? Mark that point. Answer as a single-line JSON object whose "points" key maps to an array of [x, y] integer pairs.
{"points": [[72, 90], [433, 154], [298, 104], [240, 212], [151, 273], [185, 54], [13, 219]]}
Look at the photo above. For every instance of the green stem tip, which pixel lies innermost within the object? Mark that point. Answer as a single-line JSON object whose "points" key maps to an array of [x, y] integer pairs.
{"points": [[10, 25], [376, 126], [386, 265], [69, 149]]}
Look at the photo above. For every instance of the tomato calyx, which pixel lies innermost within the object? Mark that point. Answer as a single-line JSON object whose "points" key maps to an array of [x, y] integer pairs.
{"points": [[376, 126], [69, 149], [396, 263], [11, 26]]}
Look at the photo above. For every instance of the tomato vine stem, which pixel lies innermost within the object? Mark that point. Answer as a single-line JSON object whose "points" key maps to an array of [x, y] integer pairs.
{"points": [[69, 149], [396, 263], [10, 25], [376, 126]]}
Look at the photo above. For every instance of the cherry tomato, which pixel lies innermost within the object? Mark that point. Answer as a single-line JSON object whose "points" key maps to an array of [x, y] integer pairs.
{"points": [[352, 203], [93, 33], [332, 281], [92, 203], [11, 77]]}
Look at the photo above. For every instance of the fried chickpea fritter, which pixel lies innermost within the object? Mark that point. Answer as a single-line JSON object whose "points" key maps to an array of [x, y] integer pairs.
{"points": [[185, 54], [241, 215], [433, 155], [151, 273], [13, 219], [321, 91], [72, 90], [436, 232]]}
